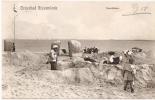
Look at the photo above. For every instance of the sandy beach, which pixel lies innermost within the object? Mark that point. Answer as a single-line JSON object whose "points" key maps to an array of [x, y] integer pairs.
{"points": [[26, 76], [78, 50]]}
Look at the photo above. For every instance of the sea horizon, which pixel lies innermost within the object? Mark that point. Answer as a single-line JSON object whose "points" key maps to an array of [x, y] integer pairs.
{"points": [[43, 45]]}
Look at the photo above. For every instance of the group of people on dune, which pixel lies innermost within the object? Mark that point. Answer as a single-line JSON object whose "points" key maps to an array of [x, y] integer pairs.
{"points": [[128, 71], [90, 50]]}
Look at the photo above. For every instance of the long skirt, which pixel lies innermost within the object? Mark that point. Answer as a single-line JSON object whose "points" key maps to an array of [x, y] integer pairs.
{"points": [[53, 65], [130, 83]]}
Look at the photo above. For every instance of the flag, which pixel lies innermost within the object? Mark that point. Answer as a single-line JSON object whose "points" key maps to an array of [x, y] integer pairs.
{"points": [[14, 9]]}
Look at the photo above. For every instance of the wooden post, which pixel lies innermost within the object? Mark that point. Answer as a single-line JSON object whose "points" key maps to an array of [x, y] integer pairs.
{"points": [[70, 49]]}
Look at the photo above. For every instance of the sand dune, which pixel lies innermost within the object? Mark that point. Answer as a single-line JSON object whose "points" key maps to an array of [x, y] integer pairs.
{"points": [[25, 75]]}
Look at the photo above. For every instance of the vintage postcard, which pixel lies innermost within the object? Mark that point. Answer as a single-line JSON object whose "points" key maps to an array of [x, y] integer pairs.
{"points": [[78, 49]]}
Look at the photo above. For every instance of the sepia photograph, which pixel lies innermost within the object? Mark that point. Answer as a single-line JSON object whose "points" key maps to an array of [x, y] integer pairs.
{"points": [[78, 49]]}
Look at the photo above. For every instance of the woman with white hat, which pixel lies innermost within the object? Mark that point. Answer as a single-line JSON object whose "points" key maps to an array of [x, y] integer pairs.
{"points": [[53, 59]]}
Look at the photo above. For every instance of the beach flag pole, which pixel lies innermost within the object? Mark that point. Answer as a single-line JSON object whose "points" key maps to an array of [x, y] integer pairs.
{"points": [[15, 11]]}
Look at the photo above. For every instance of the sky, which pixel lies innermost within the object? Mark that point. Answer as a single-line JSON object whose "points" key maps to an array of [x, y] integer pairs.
{"points": [[98, 20]]}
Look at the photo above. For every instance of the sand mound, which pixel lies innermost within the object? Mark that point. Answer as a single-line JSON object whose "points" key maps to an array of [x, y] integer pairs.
{"points": [[77, 70], [68, 76], [72, 75], [106, 73], [28, 59], [68, 70], [144, 58], [143, 74]]}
